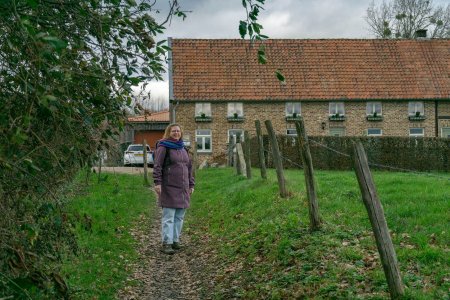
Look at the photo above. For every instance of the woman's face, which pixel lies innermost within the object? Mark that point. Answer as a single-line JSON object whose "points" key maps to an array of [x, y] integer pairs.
{"points": [[175, 132]]}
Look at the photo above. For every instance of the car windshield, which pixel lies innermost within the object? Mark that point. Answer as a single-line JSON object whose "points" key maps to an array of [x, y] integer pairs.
{"points": [[137, 148]]}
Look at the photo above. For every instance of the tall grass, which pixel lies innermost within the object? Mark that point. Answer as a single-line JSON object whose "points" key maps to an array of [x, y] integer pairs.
{"points": [[267, 251], [106, 213]]}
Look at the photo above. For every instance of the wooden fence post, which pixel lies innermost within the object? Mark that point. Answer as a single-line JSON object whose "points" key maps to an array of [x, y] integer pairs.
{"points": [[231, 146], [236, 140], [378, 221], [146, 182], [247, 154], [262, 161], [100, 167], [241, 160], [305, 154], [277, 159], [194, 158]]}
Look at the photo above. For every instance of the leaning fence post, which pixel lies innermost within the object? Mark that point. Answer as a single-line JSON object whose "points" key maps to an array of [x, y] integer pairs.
{"points": [[231, 146], [240, 159], [262, 161], [194, 158], [100, 167], [378, 221], [247, 154], [146, 182], [236, 156], [277, 159], [305, 154]]}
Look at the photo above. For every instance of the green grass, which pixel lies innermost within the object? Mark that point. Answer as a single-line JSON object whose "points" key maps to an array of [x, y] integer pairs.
{"points": [[104, 214], [267, 251]]}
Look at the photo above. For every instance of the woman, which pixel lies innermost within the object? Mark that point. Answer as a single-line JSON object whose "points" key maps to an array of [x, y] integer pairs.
{"points": [[174, 184]]}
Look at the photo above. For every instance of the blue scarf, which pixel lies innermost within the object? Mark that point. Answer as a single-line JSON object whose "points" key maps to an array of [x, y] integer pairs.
{"points": [[172, 144]]}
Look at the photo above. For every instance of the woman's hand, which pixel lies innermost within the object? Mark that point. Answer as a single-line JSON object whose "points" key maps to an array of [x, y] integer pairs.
{"points": [[157, 189], [191, 190]]}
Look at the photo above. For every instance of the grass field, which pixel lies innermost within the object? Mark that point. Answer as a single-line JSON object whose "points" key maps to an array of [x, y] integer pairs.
{"points": [[267, 252], [104, 214]]}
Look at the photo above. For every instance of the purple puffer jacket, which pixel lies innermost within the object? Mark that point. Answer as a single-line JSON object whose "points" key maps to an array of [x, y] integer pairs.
{"points": [[175, 179]]}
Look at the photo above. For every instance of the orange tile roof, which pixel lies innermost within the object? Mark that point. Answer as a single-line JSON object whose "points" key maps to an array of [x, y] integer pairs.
{"points": [[162, 116], [314, 69]]}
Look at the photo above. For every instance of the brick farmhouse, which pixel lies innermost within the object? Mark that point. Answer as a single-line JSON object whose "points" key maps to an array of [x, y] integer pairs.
{"points": [[345, 87]]}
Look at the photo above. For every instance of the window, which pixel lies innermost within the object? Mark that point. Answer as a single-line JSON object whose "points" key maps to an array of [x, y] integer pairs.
{"points": [[235, 109], [337, 108], [203, 109], [374, 132], [203, 138], [235, 134], [337, 131], [293, 108], [415, 109], [187, 139], [416, 132], [445, 132], [373, 109], [291, 132]]}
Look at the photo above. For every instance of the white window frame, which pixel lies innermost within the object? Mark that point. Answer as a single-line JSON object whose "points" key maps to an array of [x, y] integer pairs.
{"points": [[417, 134], [374, 134], [335, 108], [442, 131], [235, 130], [416, 106], [235, 107], [203, 138], [187, 139], [371, 108], [293, 131], [332, 128], [203, 107], [293, 107]]}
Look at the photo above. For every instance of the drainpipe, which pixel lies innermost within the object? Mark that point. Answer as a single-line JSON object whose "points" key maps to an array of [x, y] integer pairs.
{"points": [[436, 120], [172, 108], [173, 118]]}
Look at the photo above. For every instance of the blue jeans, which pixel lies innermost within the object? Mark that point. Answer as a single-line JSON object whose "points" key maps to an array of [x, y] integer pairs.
{"points": [[171, 224]]}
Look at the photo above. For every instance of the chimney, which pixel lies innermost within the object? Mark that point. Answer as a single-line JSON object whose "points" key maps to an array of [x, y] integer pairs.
{"points": [[421, 34]]}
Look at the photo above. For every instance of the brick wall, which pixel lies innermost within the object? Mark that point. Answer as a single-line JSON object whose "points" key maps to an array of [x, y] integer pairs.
{"points": [[315, 115]]}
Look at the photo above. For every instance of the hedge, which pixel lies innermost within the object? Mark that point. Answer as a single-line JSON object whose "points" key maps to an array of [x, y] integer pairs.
{"points": [[418, 154]]}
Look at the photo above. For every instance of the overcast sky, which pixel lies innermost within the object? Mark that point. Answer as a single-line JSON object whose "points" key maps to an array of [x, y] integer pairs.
{"points": [[280, 18]]}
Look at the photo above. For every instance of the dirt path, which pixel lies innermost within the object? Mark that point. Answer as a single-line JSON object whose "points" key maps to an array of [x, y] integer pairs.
{"points": [[161, 276]]}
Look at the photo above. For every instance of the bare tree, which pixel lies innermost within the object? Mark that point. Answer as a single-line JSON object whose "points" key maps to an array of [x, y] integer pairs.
{"points": [[403, 18]]}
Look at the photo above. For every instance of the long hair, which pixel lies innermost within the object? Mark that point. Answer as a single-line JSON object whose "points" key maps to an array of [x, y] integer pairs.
{"points": [[168, 128]]}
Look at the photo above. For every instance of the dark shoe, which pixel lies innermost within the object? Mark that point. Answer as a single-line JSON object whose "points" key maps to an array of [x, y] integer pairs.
{"points": [[167, 249], [176, 246]]}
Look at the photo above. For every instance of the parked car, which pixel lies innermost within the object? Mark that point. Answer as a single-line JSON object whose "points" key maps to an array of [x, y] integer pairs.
{"points": [[134, 155]]}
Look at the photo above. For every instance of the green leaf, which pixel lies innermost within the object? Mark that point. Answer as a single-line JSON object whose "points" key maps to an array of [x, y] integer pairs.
{"points": [[244, 3], [161, 42], [242, 29], [32, 3], [57, 43], [280, 76]]}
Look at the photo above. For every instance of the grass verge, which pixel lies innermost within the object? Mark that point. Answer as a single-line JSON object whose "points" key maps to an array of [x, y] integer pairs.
{"points": [[265, 250], [105, 213]]}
